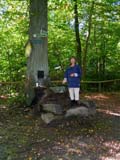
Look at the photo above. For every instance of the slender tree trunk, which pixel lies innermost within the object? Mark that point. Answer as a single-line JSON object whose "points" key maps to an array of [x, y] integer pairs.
{"points": [[95, 48], [10, 69], [103, 53], [100, 68], [104, 56], [87, 40], [103, 63], [77, 34], [38, 59]]}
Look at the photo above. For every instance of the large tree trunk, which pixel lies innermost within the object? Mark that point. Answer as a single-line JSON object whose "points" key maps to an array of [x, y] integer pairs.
{"points": [[38, 59], [87, 40], [77, 35]]}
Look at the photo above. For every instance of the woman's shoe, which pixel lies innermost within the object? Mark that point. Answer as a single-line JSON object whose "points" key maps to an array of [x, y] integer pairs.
{"points": [[72, 103], [77, 103]]}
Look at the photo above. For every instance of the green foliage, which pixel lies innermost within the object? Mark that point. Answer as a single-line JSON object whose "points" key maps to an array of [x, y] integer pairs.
{"points": [[103, 57], [13, 32]]}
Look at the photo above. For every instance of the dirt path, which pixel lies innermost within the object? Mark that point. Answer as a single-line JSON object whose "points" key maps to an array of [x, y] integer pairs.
{"points": [[24, 137]]}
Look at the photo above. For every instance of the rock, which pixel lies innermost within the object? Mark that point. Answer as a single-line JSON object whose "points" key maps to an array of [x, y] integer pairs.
{"points": [[53, 108], [90, 105], [78, 111], [84, 109], [58, 89], [92, 111], [87, 103], [48, 117]]}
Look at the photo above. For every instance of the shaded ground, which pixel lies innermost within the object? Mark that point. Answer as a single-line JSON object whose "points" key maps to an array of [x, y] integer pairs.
{"points": [[26, 137]]}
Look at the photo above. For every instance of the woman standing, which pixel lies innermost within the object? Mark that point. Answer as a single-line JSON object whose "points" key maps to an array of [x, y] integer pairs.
{"points": [[72, 77]]}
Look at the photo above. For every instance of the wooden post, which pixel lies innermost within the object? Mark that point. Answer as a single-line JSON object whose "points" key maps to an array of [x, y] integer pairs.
{"points": [[99, 87]]}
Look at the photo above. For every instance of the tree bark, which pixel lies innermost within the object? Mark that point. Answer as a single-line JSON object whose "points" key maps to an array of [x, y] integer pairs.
{"points": [[95, 48], [77, 34], [87, 40], [102, 55], [38, 58]]}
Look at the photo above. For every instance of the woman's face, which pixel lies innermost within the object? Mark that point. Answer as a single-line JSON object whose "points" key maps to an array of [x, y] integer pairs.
{"points": [[72, 61]]}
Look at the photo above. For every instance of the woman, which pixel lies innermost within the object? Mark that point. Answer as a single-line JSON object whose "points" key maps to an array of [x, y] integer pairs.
{"points": [[72, 77]]}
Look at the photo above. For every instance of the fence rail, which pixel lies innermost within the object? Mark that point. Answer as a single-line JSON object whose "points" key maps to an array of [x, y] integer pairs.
{"points": [[104, 81], [100, 85]]}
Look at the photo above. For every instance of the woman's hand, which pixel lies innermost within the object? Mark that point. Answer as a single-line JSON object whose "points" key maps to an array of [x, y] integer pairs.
{"points": [[64, 81], [72, 75]]}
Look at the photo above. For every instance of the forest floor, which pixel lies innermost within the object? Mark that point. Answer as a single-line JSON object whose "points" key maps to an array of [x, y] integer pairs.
{"points": [[25, 137]]}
